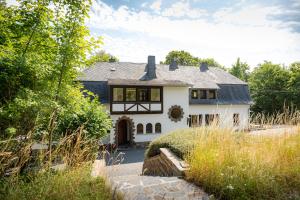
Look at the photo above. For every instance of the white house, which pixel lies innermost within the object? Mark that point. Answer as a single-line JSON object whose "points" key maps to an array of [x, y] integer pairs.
{"points": [[146, 100]]}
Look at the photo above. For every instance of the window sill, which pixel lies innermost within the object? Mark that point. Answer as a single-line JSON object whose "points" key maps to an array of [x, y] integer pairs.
{"points": [[148, 133]]}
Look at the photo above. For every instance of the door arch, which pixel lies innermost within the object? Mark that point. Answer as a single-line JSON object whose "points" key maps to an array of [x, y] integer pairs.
{"points": [[124, 131], [123, 138]]}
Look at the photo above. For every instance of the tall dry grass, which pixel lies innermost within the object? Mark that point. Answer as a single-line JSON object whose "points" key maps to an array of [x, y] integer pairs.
{"points": [[289, 116], [74, 149], [236, 165], [75, 183], [32, 175]]}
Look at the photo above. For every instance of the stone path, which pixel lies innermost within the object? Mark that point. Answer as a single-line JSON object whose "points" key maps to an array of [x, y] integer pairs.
{"points": [[126, 179], [276, 130]]}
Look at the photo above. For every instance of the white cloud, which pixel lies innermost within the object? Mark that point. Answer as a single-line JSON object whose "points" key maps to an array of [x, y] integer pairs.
{"points": [[156, 5], [230, 35], [253, 15], [144, 4], [183, 8]]}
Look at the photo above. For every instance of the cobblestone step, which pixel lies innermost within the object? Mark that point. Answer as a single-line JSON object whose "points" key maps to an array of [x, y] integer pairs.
{"points": [[135, 187]]}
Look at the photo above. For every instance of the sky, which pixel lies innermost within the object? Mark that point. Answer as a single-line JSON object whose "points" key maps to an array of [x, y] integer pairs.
{"points": [[253, 30], [224, 30]]}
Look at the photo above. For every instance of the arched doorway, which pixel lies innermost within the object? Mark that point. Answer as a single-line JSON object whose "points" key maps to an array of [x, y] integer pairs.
{"points": [[123, 138], [124, 131]]}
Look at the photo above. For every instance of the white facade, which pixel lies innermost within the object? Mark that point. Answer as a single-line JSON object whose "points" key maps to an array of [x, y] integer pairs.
{"points": [[180, 96], [225, 112]]}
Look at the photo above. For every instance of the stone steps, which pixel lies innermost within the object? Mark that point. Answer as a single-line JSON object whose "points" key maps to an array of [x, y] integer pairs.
{"points": [[137, 187]]}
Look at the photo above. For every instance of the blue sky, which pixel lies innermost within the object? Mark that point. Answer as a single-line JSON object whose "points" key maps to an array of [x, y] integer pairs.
{"points": [[252, 30], [221, 29]]}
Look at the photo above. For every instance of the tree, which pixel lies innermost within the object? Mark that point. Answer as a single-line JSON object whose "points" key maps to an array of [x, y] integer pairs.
{"points": [[102, 56], [240, 70], [269, 88], [43, 44], [294, 83], [211, 62], [182, 58], [186, 59]]}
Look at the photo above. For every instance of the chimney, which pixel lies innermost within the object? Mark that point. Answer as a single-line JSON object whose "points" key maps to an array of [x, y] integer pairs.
{"points": [[203, 67], [173, 66], [151, 68]]}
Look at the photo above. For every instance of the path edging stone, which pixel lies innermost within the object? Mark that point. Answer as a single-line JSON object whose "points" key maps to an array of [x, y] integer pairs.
{"points": [[166, 163]]}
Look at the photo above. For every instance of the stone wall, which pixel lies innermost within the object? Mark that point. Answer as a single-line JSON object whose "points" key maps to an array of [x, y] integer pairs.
{"points": [[164, 164]]}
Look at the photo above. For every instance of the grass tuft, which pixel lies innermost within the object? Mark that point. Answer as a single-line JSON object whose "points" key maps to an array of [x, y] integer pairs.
{"points": [[75, 183]]}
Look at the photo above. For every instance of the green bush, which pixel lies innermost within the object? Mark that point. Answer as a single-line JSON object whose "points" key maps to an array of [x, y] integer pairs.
{"points": [[84, 111], [32, 111], [27, 111], [179, 141]]}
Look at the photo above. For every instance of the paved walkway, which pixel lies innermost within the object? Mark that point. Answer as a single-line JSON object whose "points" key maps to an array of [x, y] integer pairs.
{"points": [[127, 179], [276, 130]]}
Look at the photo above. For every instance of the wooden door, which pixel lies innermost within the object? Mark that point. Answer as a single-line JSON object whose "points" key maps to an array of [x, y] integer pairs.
{"points": [[122, 132]]}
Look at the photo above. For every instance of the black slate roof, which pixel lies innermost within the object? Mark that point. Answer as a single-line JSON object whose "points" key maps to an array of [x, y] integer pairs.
{"points": [[231, 90]]}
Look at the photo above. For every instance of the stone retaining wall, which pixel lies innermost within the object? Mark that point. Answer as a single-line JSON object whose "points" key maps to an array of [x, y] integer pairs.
{"points": [[164, 164]]}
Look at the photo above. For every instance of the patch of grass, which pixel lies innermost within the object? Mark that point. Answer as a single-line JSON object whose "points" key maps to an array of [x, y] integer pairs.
{"points": [[74, 184], [234, 165]]}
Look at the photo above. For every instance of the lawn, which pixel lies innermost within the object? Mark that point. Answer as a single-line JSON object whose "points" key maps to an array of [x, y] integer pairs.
{"points": [[236, 165], [75, 184]]}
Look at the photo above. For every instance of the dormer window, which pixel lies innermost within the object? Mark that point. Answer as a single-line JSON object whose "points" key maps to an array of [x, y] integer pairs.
{"points": [[194, 94], [130, 94], [118, 94], [136, 99], [203, 94], [143, 94], [155, 94], [211, 94]]}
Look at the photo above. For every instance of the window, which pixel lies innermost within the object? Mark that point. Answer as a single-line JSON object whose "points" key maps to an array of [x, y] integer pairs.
{"points": [[194, 94], [211, 94], [157, 128], [194, 120], [143, 94], [200, 120], [217, 119], [175, 113], [149, 128], [155, 94], [118, 94], [130, 94], [236, 119], [189, 120], [202, 94], [209, 118], [140, 129]]}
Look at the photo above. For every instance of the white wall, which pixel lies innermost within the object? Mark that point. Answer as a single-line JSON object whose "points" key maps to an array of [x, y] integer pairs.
{"points": [[171, 96], [225, 112], [179, 96]]}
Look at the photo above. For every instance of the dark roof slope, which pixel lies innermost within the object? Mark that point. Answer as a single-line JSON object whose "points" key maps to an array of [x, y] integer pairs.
{"points": [[187, 75], [231, 90]]}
